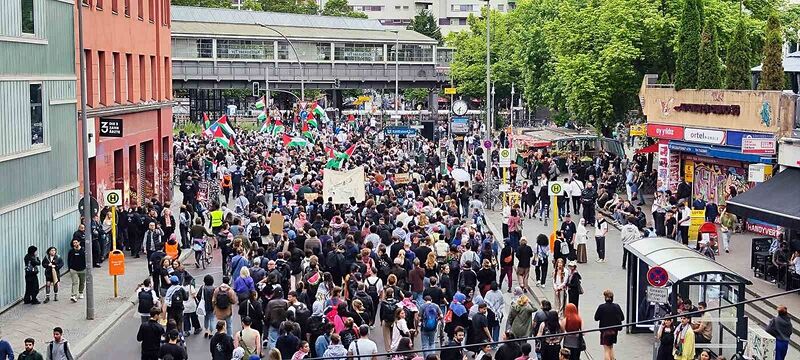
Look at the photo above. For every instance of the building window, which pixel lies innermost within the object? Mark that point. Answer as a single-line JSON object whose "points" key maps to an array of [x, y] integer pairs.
{"points": [[37, 121], [99, 4], [501, 7], [405, 7], [115, 6], [89, 78], [373, 8], [444, 21], [141, 10], [414, 53], [306, 51], [167, 78], [241, 49], [464, 8], [27, 17], [151, 10], [127, 8], [397, 7], [193, 48], [462, 21], [153, 78], [117, 72], [129, 71], [358, 52], [142, 78], [101, 64], [444, 56]]}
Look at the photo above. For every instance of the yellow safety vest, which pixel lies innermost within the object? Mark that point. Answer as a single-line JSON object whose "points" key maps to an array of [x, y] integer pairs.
{"points": [[216, 218]]}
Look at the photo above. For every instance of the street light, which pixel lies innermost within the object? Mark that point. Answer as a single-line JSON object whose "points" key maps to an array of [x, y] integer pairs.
{"points": [[299, 62], [487, 156], [396, 72]]}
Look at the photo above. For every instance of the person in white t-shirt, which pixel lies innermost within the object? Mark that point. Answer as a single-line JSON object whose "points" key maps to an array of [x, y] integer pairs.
{"points": [[600, 231], [575, 190], [363, 345]]}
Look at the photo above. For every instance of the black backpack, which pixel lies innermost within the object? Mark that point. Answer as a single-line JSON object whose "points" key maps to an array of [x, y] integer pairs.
{"points": [[146, 302], [302, 314], [177, 298], [388, 307], [372, 289], [222, 299], [255, 233]]}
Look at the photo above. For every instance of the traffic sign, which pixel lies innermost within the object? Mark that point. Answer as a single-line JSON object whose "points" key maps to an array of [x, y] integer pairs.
{"points": [[450, 91], [113, 197], [657, 276], [504, 187], [505, 157], [94, 206], [658, 295], [555, 188], [487, 144]]}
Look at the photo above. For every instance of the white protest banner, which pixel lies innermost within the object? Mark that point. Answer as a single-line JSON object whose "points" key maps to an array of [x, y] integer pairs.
{"points": [[342, 185]]}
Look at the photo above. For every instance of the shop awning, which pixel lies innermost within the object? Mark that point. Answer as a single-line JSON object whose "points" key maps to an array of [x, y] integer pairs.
{"points": [[774, 201], [648, 149]]}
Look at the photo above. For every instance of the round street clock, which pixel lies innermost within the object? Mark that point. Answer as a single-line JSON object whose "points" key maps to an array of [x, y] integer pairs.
{"points": [[460, 107]]}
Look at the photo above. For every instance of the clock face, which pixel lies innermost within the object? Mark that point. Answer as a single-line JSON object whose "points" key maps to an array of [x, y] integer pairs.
{"points": [[460, 108]]}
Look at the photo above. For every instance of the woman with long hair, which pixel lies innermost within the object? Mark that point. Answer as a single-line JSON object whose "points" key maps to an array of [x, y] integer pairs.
{"points": [[666, 337], [572, 322], [405, 344], [400, 328], [560, 286], [550, 345], [514, 227], [541, 259], [506, 265]]}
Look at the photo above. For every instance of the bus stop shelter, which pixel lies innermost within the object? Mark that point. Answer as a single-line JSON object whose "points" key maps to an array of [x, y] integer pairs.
{"points": [[691, 276]]}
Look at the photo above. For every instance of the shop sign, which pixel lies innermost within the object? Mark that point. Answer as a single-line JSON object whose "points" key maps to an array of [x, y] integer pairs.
{"points": [[688, 171], [734, 110], [758, 146], [663, 164], [668, 132], [789, 154], [638, 130], [759, 172], [697, 219], [704, 136], [734, 138], [763, 228]]}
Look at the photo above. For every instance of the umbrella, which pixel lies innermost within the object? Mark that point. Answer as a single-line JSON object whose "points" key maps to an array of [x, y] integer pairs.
{"points": [[460, 175]]}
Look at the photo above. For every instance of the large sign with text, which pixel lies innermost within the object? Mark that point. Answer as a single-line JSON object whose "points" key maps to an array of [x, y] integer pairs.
{"points": [[668, 132], [704, 136]]}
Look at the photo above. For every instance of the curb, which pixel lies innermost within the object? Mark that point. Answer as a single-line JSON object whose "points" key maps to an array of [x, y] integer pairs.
{"points": [[91, 338]]}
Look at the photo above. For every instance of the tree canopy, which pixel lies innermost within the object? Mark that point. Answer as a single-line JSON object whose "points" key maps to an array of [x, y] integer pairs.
{"points": [[291, 6], [585, 59], [772, 77], [341, 8], [425, 24], [203, 3]]}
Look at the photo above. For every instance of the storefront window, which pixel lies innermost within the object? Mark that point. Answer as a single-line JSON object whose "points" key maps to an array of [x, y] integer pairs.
{"points": [[444, 56], [307, 51], [358, 52], [192, 48], [245, 49]]}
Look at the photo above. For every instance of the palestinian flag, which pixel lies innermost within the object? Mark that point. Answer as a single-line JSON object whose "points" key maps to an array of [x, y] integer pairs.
{"points": [[308, 134], [296, 141], [319, 112], [311, 120], [346, 154], [206, 121], [261, 103], [277, 128], [219, 136], [223, 123], [329, 152], [334, 164], [262, 116], [266, 126]]}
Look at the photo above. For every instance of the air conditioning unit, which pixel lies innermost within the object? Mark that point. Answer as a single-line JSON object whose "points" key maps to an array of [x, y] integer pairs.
{"points": [[760, 344]]}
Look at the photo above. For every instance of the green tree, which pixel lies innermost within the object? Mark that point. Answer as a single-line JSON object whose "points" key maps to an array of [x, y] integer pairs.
{"points": [[341, 8], [425, 24], [688, 46], [253, 5], [291, 6], [203, 3], [709, 66], [772, 76], [737, 69], [416, 95]]}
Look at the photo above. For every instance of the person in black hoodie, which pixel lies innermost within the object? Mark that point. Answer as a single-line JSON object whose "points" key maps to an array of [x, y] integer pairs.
{"points": [[32, 264], [76, 262], [509, 350], [150, 336]]}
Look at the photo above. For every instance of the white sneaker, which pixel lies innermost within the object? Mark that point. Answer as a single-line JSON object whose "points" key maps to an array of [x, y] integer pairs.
{"points": [[80, 296], [73, 299]]}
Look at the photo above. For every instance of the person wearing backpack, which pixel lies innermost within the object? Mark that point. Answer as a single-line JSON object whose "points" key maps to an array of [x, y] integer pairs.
{"points": [[248, 339], [467, 278], [205, 301], [387, 307], [226, 185], [148, 298], [223, 300], [274, 315], [431, 314], [174, 299]]}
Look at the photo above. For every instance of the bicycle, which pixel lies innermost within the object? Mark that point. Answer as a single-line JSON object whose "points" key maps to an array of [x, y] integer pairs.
{"points": [[202, 252]]}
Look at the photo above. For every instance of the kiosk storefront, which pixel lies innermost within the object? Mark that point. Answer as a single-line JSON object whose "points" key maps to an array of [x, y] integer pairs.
{"points": [[691, 276]]}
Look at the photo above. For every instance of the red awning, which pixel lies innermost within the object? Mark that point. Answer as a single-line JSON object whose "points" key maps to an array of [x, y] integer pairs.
{"points": [[648, 149]]}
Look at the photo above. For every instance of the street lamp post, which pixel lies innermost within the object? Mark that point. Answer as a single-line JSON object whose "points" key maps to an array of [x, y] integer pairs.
{"points": [[396, 73], [487, 156], [87, 205], [511, 107], [299, 62]]}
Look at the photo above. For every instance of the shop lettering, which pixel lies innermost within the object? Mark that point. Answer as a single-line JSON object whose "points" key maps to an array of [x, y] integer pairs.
{"points": [[704, 136], [734, 110], [763, 229]]}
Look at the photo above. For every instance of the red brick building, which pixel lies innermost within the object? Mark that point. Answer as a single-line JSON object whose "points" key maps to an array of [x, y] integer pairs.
{"points": [[127, 47]]}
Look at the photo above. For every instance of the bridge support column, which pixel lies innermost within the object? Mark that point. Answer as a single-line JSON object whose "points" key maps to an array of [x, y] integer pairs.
{"points": [[336, 100]]}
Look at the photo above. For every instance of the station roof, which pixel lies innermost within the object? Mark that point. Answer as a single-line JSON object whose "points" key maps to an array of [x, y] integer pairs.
{"points": [[242, 23], [680, 261]]}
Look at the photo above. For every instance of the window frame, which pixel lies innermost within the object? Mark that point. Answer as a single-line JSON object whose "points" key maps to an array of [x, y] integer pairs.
{"points": [[33, 18], [42, 116]]}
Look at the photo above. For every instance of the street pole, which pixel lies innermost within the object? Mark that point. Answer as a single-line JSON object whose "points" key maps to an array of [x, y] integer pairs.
{"points": [[87, 202], [114, 244], [299, 62], [396, 73], [511, 110], [487, 156]]}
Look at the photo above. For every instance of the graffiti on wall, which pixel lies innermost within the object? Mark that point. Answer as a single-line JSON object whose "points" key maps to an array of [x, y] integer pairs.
{"points": [[712, 181]]}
